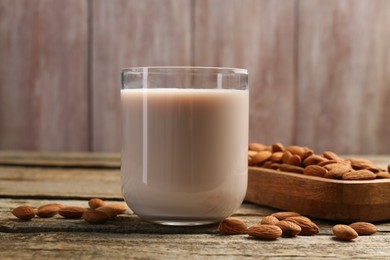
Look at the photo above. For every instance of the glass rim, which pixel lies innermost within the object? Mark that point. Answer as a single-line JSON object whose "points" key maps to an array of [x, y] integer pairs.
{"points": [[151, 69]]}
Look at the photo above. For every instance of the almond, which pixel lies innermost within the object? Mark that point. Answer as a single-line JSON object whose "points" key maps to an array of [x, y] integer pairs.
{"points": [[276, 157], [383, 175], [388, 168], [49, 210], [71, 212], [58, 205], [24, 212], [326, 162], [95, 217], [120, 208], [266, 164], [294, 160], [359, 175], [337, 170], [308, 227], [364, 228], [344, 232], [290, 168], [313, 159], [331, 156], [257, 147], [277, 147], [96, 203], [358, 164], [298, 150], [289, 228], [261, 157], [286, 155], [285, 214], [308, 152], [315, 170], [232, 226], [111, 212], [269, 232], [269, 220], [252, 153]]}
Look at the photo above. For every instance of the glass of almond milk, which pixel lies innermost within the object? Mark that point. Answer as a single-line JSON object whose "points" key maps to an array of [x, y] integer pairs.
{"points": [[184, 142]]}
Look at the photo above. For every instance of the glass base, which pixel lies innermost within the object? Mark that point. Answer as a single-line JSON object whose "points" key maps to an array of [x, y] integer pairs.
{"points": [[177, 221]]}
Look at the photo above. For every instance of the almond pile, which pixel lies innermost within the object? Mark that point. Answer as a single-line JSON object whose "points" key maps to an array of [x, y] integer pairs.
{"points": [[303, 160], [97, 213], [290, 224]]}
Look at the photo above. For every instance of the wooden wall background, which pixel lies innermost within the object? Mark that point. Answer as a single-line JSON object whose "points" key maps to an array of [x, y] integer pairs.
{"points": [[319, 69]]}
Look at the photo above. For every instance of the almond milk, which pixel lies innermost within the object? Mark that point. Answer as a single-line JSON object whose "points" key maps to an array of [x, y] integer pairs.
{"points": [[184, 153]]}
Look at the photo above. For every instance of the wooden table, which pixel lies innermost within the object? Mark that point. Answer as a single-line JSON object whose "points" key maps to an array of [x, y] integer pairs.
{"points": [[39, 178]]}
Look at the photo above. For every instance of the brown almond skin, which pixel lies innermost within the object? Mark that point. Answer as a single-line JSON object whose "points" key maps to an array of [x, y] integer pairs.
{"points": [[382, 175], [308, 227], [58, 205], [337, 170], [93, 216], [285, 156], [111, 212], [285, 214], [312, 160], [24, 212], [72, 212], [298, 150], [269, 232], [359, 175], [364, 228], [344, 232], [256, 147], [276, 157], [269, 220], [332, 156], [289, 228], [232, 226], [49, 210], [315, 170], [120, 208], [96, 203], [277, 147], [294, 160], [261, 157]]}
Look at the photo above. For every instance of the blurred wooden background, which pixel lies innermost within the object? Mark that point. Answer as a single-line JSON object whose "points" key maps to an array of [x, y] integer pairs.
{"points": [[319, 69]]}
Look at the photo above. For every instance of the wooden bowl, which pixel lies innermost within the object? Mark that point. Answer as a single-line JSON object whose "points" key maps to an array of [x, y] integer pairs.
{"points": [[338, 200]]}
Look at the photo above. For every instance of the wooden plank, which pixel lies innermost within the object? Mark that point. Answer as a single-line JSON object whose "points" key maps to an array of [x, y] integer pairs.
{"points": [[58, 159], [259, 36], [193, 246], [131, 33], [127, 236], [59, 182], [43, 75], [343, 72]]}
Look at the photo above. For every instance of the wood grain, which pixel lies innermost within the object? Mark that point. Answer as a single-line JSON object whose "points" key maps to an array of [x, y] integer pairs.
{"points": [[50, 182], [128, 236], [259, 36], [43, 75], [58, 159], [130, 34], [343, 74], [336, 200]]}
